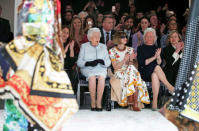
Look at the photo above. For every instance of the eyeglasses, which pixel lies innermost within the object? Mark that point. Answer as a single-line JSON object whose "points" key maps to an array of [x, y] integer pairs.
{"points": [[122, 37], [173, 23]]}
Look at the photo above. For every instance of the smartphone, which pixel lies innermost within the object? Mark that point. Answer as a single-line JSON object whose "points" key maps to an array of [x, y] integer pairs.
{"points": [[113, 8], [89, 24]]}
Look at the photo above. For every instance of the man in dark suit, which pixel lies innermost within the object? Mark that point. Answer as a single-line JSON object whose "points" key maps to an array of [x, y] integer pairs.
{"points": [[128, 29], [5, 33], [107, 31]]}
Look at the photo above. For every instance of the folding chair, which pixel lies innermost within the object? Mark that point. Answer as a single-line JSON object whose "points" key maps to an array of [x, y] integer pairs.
{"points": [[107, 91]]}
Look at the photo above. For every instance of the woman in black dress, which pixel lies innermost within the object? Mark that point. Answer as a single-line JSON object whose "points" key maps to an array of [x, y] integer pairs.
{"points": [[172, 56], [71, 50], [149, 61]]}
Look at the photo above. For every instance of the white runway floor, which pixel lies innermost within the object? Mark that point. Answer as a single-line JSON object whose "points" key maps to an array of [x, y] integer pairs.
{"points": [[116, 120]]}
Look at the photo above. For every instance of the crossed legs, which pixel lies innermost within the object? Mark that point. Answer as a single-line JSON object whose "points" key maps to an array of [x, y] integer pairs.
{"points": [[157, 76], [100, 91]]}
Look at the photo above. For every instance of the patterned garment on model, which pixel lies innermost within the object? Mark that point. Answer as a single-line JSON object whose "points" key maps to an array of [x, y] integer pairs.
{"points": [[14, 119]]}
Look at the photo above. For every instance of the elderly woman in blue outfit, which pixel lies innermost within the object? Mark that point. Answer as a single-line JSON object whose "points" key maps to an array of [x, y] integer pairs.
{"points": [[93, 61]]}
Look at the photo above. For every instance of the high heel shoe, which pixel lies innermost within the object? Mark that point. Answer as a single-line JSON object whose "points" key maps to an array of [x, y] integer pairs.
{"points": [[99, 109], [93, 109]]}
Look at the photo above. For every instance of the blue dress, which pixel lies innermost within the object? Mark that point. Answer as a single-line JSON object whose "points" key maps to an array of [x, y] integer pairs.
{"points": [[144, 52], [90, 53]]}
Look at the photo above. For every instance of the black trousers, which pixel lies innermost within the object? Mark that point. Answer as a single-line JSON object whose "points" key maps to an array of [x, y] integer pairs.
{"points": [[73, 76]]}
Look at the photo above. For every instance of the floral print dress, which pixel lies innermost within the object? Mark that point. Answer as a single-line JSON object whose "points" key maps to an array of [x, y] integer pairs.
{"points": [[129, 77]]}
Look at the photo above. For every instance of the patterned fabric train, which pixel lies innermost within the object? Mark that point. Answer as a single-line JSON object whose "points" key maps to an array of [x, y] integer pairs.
{"points": [[36, 81], [186, 97]]}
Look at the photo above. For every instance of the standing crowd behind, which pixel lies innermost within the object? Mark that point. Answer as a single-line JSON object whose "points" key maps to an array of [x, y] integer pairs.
{"points": [[138, 46]]}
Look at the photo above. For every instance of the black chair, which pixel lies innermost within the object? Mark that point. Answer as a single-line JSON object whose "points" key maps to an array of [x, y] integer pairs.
{"points": [[106, 101]]}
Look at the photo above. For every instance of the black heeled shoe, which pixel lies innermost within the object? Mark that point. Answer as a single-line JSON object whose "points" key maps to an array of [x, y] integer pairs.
{"points": [[93, 109], [99, 109]]}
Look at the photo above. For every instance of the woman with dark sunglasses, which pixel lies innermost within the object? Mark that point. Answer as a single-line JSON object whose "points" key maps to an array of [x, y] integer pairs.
{"points": [[133, 89]]}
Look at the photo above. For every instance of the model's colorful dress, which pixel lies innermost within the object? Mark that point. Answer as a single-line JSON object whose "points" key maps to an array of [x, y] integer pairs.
{"points": [[39, 86], [185, 100]]}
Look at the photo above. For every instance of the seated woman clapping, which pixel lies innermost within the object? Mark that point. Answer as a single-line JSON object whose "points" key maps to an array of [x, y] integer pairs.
{"points": [[172, 55], [93, 61], [149, 61], [134, 90]]}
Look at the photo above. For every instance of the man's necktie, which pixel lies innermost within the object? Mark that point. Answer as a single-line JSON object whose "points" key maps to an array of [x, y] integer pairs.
{"points": [[107, 37]]}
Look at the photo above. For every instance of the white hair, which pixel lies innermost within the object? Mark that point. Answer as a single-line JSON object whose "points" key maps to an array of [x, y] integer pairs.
{"points": [[91, 31], [150, 30], [83, 13]]}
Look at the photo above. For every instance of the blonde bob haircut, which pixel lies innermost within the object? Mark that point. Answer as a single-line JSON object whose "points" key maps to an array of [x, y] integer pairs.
{"points": [[170, 34], [117, 37]]}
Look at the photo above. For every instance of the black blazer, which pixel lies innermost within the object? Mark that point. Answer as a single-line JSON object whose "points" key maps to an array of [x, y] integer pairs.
{"points": [[4, 30], [130, 39], [102, 35], [170, 69]]}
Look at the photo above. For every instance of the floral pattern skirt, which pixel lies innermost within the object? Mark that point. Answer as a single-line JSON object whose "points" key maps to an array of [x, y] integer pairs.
{"points": [[130, 79]]}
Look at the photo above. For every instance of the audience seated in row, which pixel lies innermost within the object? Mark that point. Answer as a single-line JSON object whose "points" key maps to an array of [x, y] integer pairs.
{"points": [[133, 91], [93, 61], [149, 64]]}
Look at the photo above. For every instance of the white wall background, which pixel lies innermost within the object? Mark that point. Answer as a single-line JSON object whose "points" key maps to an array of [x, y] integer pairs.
{"points": [[17, 3], [9, 11]]}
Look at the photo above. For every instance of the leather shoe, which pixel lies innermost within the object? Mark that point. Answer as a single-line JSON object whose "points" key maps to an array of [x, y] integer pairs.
{"points": [[98, 109], [93, 109]]}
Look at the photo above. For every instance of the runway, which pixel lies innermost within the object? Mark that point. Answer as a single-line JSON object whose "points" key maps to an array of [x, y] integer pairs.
{"points": [[118, 120], [115, 120]]}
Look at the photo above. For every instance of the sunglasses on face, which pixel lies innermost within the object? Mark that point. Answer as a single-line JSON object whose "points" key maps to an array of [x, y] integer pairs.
{"points": [[122, 37]]}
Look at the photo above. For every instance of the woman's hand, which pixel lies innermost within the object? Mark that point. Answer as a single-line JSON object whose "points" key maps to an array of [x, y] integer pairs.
{"points": [[86, 6], [182, 45], [155, 57], [66, 48], [91, 63], [119, 27], [133, 56], [179, 47], [158, 52], [118, 65], [162, 29], [72, 43], [126, 57], [100, 61]]}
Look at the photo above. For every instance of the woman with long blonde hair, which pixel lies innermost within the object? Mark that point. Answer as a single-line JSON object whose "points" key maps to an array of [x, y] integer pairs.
{"points": [[76, 30]]}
